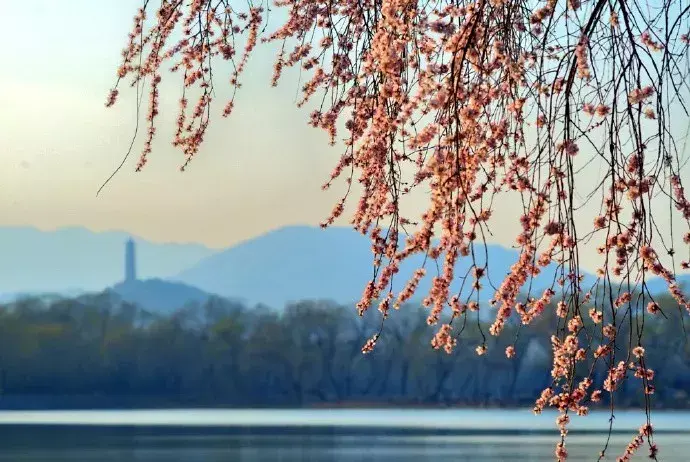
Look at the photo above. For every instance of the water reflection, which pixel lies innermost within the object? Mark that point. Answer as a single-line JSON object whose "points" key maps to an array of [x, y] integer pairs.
{"points": [[149, 443]]}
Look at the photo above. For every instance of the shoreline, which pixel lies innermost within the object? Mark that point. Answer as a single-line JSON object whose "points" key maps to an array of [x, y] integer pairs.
{"points": [[29, 403]]}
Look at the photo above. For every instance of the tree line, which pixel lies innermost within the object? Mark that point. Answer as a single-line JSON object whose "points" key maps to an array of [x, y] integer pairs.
{"points": [[98, 351]]}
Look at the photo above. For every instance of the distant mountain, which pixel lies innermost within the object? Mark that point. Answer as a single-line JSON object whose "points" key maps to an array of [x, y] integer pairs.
{"points": [[33, 261], [159, 296], [288, 264], [659, 285], [300, 262]]}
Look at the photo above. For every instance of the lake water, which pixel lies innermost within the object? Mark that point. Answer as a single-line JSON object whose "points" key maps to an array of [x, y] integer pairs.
{"points": [[324, 435]]}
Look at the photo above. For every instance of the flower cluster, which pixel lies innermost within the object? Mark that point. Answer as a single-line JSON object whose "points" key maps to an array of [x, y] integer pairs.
{"points": [[637, 442]]}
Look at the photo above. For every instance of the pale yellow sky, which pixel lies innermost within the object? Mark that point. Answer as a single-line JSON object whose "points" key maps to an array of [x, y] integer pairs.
{"points": [[259, 170]]}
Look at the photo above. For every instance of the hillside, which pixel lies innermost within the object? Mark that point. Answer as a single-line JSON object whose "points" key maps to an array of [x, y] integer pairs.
{"points": [[159, 296]]}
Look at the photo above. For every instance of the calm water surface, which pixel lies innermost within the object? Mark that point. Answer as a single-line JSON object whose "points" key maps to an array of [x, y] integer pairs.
{"points": [[322, 435]]}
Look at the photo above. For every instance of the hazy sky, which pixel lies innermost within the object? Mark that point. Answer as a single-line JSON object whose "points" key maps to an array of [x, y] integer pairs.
{"points": [[257, 171]]}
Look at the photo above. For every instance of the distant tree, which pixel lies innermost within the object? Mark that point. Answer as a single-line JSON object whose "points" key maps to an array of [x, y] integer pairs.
{"points": [[476, 101]]}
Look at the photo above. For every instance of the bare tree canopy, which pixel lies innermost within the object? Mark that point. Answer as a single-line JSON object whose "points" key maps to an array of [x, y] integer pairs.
{"points": [[475, 101]]}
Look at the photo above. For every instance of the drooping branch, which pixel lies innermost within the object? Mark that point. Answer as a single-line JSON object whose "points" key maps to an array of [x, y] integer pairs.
{"points": [[477, 101]]}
